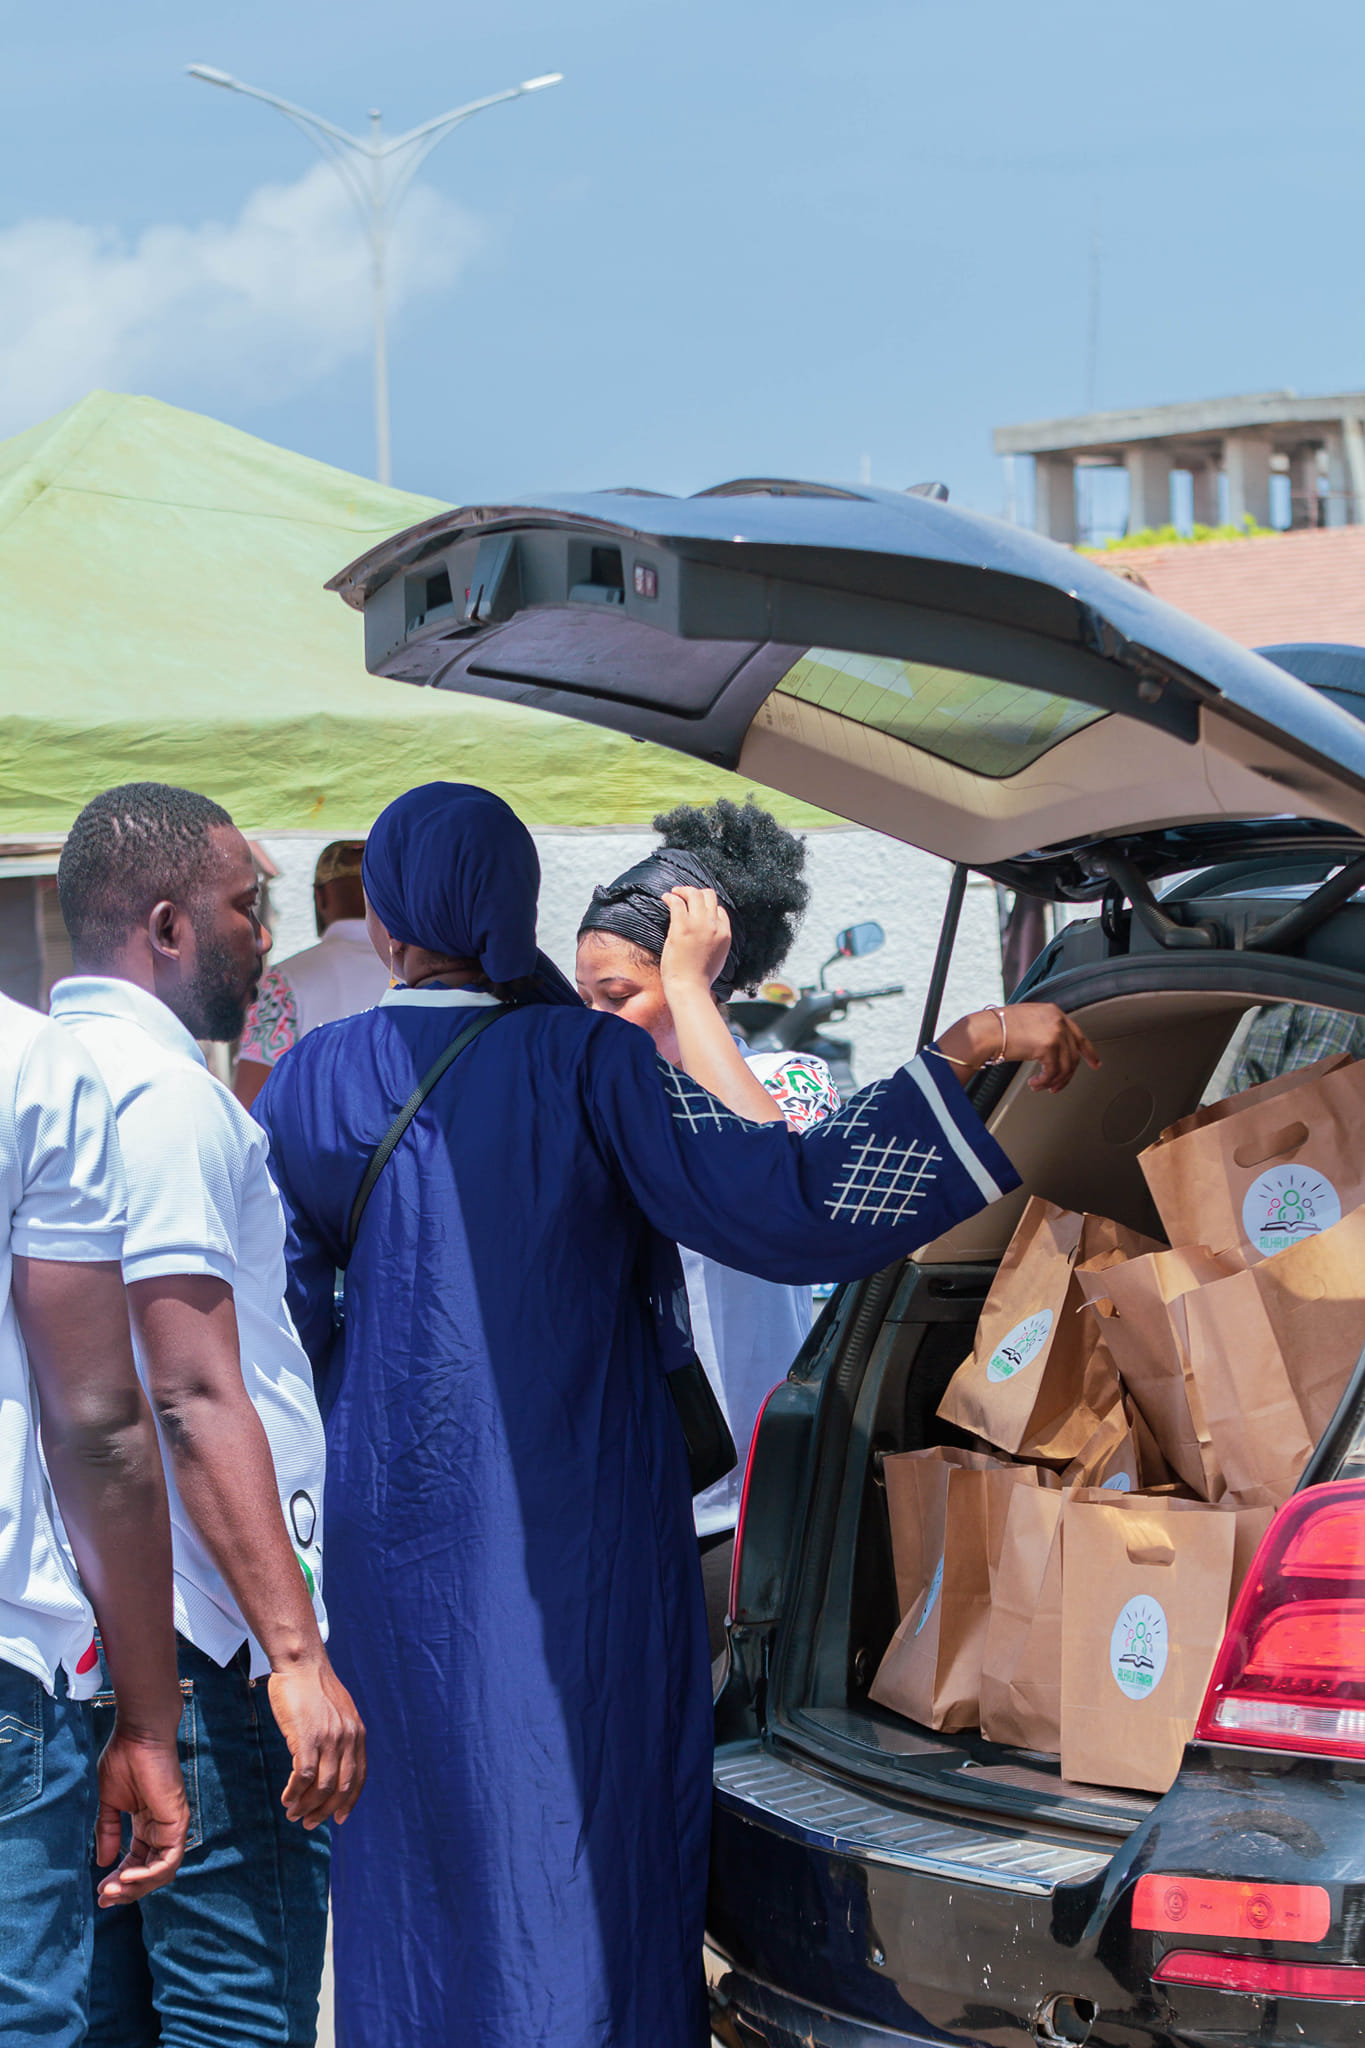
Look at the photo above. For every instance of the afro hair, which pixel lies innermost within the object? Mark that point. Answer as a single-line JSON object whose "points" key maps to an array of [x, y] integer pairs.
{"points": [[759, 864]]}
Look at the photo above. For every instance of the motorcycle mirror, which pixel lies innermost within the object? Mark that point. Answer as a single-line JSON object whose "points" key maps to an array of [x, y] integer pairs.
{"points": [[857, 939]]}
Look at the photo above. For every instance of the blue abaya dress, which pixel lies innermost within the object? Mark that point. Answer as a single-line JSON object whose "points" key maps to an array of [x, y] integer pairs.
{"points": [[510, 1565]]}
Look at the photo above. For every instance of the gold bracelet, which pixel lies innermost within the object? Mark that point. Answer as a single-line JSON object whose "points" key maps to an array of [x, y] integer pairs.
{"points": [[998, 1010]]}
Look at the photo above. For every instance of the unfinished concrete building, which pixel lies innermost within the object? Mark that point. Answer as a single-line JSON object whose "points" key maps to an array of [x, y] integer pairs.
{"points": [[1230, 446]]}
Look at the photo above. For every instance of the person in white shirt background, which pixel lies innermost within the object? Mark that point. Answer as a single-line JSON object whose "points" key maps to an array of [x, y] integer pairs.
{"points": [[338, 977], [84, 1536], [732, 870], [160, 896]]}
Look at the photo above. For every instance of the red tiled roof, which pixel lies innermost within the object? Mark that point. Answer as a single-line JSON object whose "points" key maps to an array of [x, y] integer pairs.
{"points": [[1287, 586]]}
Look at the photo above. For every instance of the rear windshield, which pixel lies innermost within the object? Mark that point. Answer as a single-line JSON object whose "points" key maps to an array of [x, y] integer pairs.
{"points": [[976, 722]]}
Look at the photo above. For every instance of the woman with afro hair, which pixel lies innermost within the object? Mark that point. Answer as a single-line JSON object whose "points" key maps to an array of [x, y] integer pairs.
{"points": [[727, 880]]}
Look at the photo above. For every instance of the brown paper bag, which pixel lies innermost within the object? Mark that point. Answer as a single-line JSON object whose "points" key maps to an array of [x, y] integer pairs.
{"points": [[947, 1525], [1021, 1657], [1155, 1470], [1249, 1526], [1252, 1524], [1141, 1307], [1271, 1350], [1265, 1169], [1111, 1459], [918, 1484], [1146, 1586], [1040, 1379], [1021, 1665]]}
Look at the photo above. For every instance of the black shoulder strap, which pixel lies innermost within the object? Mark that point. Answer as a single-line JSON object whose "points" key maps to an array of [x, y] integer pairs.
{"points": [[384, 1150]]}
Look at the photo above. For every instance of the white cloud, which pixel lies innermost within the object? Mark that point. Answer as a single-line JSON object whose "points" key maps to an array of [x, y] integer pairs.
{"points": [[255, 309]]}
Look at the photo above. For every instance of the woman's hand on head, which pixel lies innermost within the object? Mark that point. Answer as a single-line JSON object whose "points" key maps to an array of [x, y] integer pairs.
{"points": [[1022, 1032], [698, 942]]}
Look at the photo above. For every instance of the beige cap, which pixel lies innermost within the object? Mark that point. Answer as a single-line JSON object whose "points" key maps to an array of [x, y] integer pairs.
{"points": [[339, 861]]}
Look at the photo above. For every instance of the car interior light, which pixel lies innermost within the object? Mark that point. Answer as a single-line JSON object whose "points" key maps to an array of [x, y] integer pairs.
{"points": [[1220, 1908], [1290, 1674], [1260, 1977]]}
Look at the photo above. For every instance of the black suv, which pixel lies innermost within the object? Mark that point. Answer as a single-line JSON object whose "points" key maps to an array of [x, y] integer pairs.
{"points": [[1021, 711]]}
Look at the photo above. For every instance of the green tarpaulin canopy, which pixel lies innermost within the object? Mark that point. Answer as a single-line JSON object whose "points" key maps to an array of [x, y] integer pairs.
{"points": [[162, 618]]}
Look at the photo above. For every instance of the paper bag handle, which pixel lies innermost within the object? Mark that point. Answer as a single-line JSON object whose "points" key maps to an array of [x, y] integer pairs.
{"points": [[1147, 1540], [1274, 1145]]}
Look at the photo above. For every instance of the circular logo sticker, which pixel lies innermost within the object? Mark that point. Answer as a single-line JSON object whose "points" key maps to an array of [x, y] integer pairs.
{"points": [[1120, 1483], [1137, 1647], [304, 1517], [935, 1588], [1287, 1204], [1021, 1347]]}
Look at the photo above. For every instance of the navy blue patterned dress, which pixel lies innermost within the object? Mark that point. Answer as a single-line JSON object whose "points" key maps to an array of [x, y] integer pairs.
{"points": [[509, 1559]]}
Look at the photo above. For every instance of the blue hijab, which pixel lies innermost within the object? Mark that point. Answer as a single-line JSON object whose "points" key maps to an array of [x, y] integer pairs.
{"points": [[450, 867]]}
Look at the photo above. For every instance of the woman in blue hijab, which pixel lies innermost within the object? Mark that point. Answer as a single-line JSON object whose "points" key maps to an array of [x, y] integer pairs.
{"points": [[510, 1567]]}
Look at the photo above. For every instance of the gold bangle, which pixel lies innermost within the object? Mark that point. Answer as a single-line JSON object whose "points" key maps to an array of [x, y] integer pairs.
{"points": [[998, 1010]]}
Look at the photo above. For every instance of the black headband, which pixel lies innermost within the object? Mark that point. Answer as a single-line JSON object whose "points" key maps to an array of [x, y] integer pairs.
{"points": [[633, 908]]}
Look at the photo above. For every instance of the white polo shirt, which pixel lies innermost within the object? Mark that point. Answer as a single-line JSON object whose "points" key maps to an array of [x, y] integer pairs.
{"points": [[61, 1198], [201, 1200], [338, 977]]}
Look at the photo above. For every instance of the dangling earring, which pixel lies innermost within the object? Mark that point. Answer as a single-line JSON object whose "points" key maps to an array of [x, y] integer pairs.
{"points": [[394, 982]]}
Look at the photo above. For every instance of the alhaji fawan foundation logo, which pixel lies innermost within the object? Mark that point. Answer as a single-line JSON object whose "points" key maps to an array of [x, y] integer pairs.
{"points": [[1137, 1647], [1287, 1204]]}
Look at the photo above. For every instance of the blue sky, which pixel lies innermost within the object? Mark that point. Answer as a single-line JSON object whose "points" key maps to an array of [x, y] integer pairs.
{"points": [[744, 237]]}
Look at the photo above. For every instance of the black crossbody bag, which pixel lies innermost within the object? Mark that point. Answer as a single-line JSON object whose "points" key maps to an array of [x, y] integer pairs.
{"points": [[710, 1447]]}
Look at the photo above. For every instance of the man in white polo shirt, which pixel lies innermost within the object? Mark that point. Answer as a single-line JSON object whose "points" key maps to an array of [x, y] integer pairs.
{"points": [[339, 976], [66, 1376], [160, 897]]}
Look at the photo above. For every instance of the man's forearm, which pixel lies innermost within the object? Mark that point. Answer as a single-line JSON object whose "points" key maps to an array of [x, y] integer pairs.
{"points": [[220, 1455], [105, 1464], [225, 1476], [112, 1494], [226, 1479]]}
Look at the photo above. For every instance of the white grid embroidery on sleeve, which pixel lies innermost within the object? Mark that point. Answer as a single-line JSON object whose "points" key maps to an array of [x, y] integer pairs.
{"points": [[883, 1182], [692, 1105], [854, 1116]]}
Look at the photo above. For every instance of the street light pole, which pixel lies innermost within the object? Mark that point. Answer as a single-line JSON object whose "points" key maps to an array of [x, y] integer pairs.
{"points": [[377, 175], [383, 463]]}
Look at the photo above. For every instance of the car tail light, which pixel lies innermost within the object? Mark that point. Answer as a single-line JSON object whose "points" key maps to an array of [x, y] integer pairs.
{"points": [[1219, 1908], [744, 1504], [1291, 1673], [1344, 1982]]}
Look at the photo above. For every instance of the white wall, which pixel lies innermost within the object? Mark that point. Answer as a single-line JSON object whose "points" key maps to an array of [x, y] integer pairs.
{"points": [[854, 875]]}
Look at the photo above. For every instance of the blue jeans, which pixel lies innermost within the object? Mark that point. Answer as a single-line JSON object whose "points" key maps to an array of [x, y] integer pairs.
{"points": [[48, 1802], [229, 1955]]}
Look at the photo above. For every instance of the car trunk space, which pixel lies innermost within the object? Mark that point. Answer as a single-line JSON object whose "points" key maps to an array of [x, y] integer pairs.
{"points": [[1164, 1051]]}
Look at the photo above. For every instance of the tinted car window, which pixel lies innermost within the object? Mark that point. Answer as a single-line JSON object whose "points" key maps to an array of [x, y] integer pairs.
{"points": [[976, 722]]}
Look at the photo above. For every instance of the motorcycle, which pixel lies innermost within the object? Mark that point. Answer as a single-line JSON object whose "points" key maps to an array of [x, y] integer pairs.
{"points": [[783, 1019]]}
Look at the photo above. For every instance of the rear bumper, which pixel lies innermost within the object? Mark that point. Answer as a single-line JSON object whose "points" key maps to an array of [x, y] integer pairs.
{"points": [[754, 2013], [849, 1923], [846, 1922]]}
